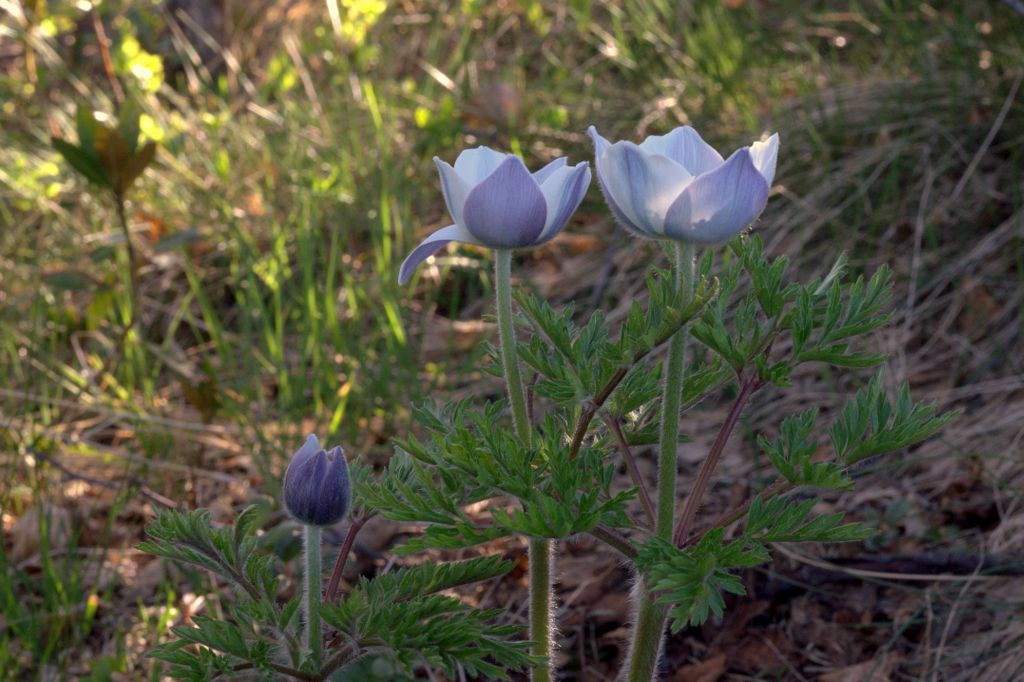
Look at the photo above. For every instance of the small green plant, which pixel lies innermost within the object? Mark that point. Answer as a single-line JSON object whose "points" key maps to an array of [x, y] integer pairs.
{"points": [[111, 159], [559, 469], [399, 616]]}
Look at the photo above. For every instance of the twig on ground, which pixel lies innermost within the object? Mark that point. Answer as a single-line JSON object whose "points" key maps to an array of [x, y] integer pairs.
{"points": [[145, 490]]}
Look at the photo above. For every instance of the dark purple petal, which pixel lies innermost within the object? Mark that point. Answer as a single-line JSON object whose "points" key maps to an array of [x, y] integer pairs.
{"points": [[431, 245], [563, 191], [317, 489], [719, 205], [545, 172], [335, 496], [308, 449], [506, 210], [301, 484]]}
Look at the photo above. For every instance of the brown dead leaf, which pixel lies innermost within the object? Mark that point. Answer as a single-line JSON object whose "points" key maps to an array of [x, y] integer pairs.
{"points": [[708, 670], [568, 243], [25, 533], [612, 607], [739, 618], [98, 576], [980, 308], [147, 578], [156, 229], [445, 338], [252, 204], [761, 651], [871, 670], [495, 103]]}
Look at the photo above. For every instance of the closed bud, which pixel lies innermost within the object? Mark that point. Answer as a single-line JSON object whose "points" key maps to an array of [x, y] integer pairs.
{"points": [[317, 489]]}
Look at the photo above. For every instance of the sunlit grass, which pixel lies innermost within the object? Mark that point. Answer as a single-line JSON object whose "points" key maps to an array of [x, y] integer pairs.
{"points": [[294, 174]]}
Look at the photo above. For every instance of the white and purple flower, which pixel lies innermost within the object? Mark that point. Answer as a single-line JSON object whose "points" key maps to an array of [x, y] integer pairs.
{"points": [[676, 186], [496, 202]]}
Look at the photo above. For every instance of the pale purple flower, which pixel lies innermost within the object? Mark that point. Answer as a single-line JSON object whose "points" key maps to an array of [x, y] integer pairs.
{"points": [[676, 186], [317, 488], [496, 202]]}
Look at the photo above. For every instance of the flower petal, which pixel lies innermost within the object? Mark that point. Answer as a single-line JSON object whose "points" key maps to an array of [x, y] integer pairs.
{"points": [[545, 172], [302, 485], [600, 146], [454, 188], [507, 209], [686, 147], [308, 449], [473, 165], [719, 205], [335, 494], [563, 191], [431, 245], [643, 185], [764, 155]]}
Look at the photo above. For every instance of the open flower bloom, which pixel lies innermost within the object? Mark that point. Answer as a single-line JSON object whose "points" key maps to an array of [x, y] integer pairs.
{"points": [[317, 488], [676, 186], [496, 202]]}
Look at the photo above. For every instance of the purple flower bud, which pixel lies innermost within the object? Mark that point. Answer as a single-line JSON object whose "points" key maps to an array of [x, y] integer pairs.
{"points": [[317, 489], [676, 186], [496, 202]]}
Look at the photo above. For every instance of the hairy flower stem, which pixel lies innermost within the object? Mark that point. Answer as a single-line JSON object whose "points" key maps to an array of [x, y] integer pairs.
{"points": [[541, 631], [668, 441], [648, 631], [513, 378], [649, 626], [540, 549], [311, 596]]}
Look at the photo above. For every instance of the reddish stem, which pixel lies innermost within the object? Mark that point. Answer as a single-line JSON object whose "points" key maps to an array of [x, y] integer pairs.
{"points": [[634, 471], [707, 467], [346, 547], [729, 518], [108, 64]]}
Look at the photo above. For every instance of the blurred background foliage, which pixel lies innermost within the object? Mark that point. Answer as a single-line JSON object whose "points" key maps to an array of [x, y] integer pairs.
{"points": [[293, 172]]}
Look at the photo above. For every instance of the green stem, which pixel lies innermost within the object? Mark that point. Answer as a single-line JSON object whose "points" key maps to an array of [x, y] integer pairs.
{"points": [[133, 279], [668, 441], [506, 334], [311, 596], [540, 549], [648, 633], [650, 618], [540, 606]]}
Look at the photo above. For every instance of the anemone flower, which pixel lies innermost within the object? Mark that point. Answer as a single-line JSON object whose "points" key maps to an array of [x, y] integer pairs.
{"points": [[496, 202], [676, 186]]}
